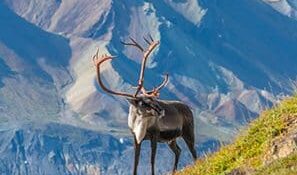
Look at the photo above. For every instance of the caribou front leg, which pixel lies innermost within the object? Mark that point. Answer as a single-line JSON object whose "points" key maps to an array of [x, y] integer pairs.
{"points": [[136, 155], [153, 154]]}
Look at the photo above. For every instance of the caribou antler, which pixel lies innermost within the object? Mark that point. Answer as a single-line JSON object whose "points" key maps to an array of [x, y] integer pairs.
{"points": [[146, 53], [97, 62]]}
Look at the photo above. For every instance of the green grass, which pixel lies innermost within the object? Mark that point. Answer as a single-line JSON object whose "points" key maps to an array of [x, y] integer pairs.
{"points": [[285, 166], [250, 146]]}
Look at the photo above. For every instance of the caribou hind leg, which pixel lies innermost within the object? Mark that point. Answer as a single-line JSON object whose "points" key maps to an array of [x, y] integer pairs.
{"points": [[175, 148], [191, 146], [189, 138]]}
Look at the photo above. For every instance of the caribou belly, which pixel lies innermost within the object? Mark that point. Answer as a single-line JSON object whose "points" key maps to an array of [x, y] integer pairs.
{"points": [[170, 123], [169, 135]]}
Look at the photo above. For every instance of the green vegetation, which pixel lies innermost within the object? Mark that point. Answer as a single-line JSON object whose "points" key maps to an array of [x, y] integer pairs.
{"points": [[251, 146], [285, 166]]}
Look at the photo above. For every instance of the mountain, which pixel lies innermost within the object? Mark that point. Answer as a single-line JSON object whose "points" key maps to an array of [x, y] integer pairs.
{"points": [[54, 149], [34, 69], [286, 7], [228, 60], [268, 145]]}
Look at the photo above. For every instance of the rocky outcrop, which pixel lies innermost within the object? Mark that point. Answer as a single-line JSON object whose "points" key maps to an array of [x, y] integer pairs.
{"points": [[285, 144]]}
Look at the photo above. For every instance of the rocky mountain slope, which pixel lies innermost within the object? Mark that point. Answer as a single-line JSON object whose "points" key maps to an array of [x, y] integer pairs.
{"points": [[228, 60]]}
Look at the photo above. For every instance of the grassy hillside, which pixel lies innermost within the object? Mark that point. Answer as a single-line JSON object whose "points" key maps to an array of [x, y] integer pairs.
{"points": [[253, 150]]}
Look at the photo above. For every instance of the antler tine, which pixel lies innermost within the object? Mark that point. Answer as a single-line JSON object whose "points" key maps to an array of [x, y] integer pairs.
{"points": [[155, 91], [98, 63], [95, 56], [134, 43], [146, 40], [150, 36], [164, 83]]}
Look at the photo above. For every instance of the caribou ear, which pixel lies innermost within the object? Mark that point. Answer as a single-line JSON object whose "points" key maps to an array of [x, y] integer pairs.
{"points": [[132, 101]]}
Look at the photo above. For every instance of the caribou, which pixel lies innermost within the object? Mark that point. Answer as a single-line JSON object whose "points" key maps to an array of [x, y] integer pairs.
{"points": [[151, 118]]}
